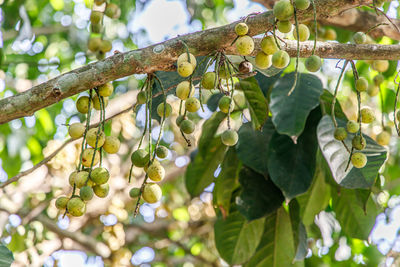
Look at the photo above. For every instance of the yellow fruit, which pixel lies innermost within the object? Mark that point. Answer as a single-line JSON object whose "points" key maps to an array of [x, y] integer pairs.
{"points": [[361, 84], [352, 126], [156, 172], [87, 157], [280, 59], [330, 34], [94, 44], [263, 61], [105, 46], [360, 38], [71, 178], [101, 190], [61, 203], [76, 207], [380, 65], [152, 193], [229, 138], [160, 110], [372, 90], [185, 69], [208, 80], [82, 105], [106, 89], [304, 33], [100, 175], [359, 160], [383, 138], [92, 135], [367, 115], [192, 104], [96, 17], [184, 58], [302, 4], [284, 26], [268, 45], [96, 102], [76, 130], [379, 79], [184, 90], [241, 28], [244, 45], [283, 10], [81, 178], [111, 144], [112, 11]]}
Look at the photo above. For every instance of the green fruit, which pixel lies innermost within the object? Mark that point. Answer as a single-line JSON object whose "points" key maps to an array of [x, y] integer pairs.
{"points": [[280, 59], [283, 10], [379, 79], [140, 158], [383, 138], [101, 190], [71, 178], [380, 65], [76, 130], [96, 102], [313, 63], [284, 26], [208, 80], [160, 110], [241, 28], [268, 45], [179, 119], [111, 144], [184, 58], [134, 192], [192, 104], [398, 115], [340, 134], [187, 126], [361, 84], [156, 172], [229, 137], [106, 89], [81, 178], [184, 90], [96, 28], [225, 104], [141, 97], [100, 55], [367, 115], [239, 99], [330, 34], [372, 90], [100, 175], [360, 38], [99, 2], [96, 17], [352, 126], [162, 152], [359, 142], [388, 129], [152, 193], [263, 61], [61, 203], [76, 207], [105, 46], [86, 193], [359, 160], [92, 135], [82, 105], [304, 33], [112, 11], [302, 4], [225, 73], [87, 157], [94, 44], [244, 45], [185, 69]]}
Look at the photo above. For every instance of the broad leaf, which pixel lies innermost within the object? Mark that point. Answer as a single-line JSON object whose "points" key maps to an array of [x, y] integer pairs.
{"points": [[337, 156], [209, 129], [267, 83], [236, 239], [289, 113], [299, 231], [259, 197], [6, 256], [212, 102]]}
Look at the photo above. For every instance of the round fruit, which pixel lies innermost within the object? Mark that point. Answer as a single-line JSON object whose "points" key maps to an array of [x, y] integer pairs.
{"points": [[106, 89], [112, 11], [352, 126], [76, 207], [208, 80], [360, 38], [187, 126], [140, 158], [244, 45], [340, 133], [184, 58], [134, 192], [263, 61], [229, 137], [76, 130], [192, 104], [86, 193], [152, 193], [380, 65], [111, 144], [284, 26], [94, 44], [280, 59], [241, 28], [283, 10], [302, 4], [383, 138], [71, 178], [99, 175], [92, 135], [388, 129], [245, 67], [268, 45], [330, 34], [359, 142], [379, 79], [179, 119], [162, 152], [160, 110], [361, 84], [185, 69], [101, 190], [96, 17], [304, 33], [225, 105], [99, 2], [96, 28], [105, 46], [156, 172], [141, 97], [359, 160], [372, 90], [225, 73], [81, 178], [87, 157], [82, 105], [61, 203], [96, 102], [367, 115], [155, 162], [313, 63], [184, 90]]}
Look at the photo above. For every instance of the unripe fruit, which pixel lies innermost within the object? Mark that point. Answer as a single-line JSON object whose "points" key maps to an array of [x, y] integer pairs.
{"points": [[140, 158], [280, 59], [379, 79], [106, 89], [398, 115], [86, 193], [184, 58], [241, 28], [361, 84], [100, 55], [192, 104], [340, 134], [283, 10], [71, 178], [225, 73], [152, 193], [160, 110], [284, 26], [99, 2], [302, 4], [81, 178], [76, 130], [359, 160], [156, 172], [96, 17], [82, 105], [359, 142], [372, 90], [367, 115], [90, 183], [185, 69], [268, 45], [134, 192], [111, 144], [96, 28], [155, 162], [100, 175], [87, 156], [244, 45], [388, 129], [380, 65], [61, 203], [263, 61], [352, 126], [76, 207], [187, 126], [360, 38], [225, 104], [141, 97], [94, 44], [101, 190], [105, 46], [96, 102], [313, 63], [383, 138], [208, 80], [184, 90], [229, 137], [162, 152], [330, 34], [92, 135], [112, 11], [304, 33], [179, 119], [245, 67]]}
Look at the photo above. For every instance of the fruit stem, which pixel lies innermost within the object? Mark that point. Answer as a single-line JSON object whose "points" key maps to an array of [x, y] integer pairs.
{"points": [[315, 26], [395, 105], [146, 85], [86, 128], [296, 71], [383, 114], [335, 93]]}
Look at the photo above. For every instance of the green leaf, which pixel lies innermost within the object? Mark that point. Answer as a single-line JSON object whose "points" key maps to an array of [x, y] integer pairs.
{"points": [[6, 256], [213, 101], [326, 105], [256, 102], [252, 147], [200, 172], [277, 246], [337, 156], [259, 197], [266, 83], [236, 239], [299, 231], [208, 131], [289, 113], [351, 216]]}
